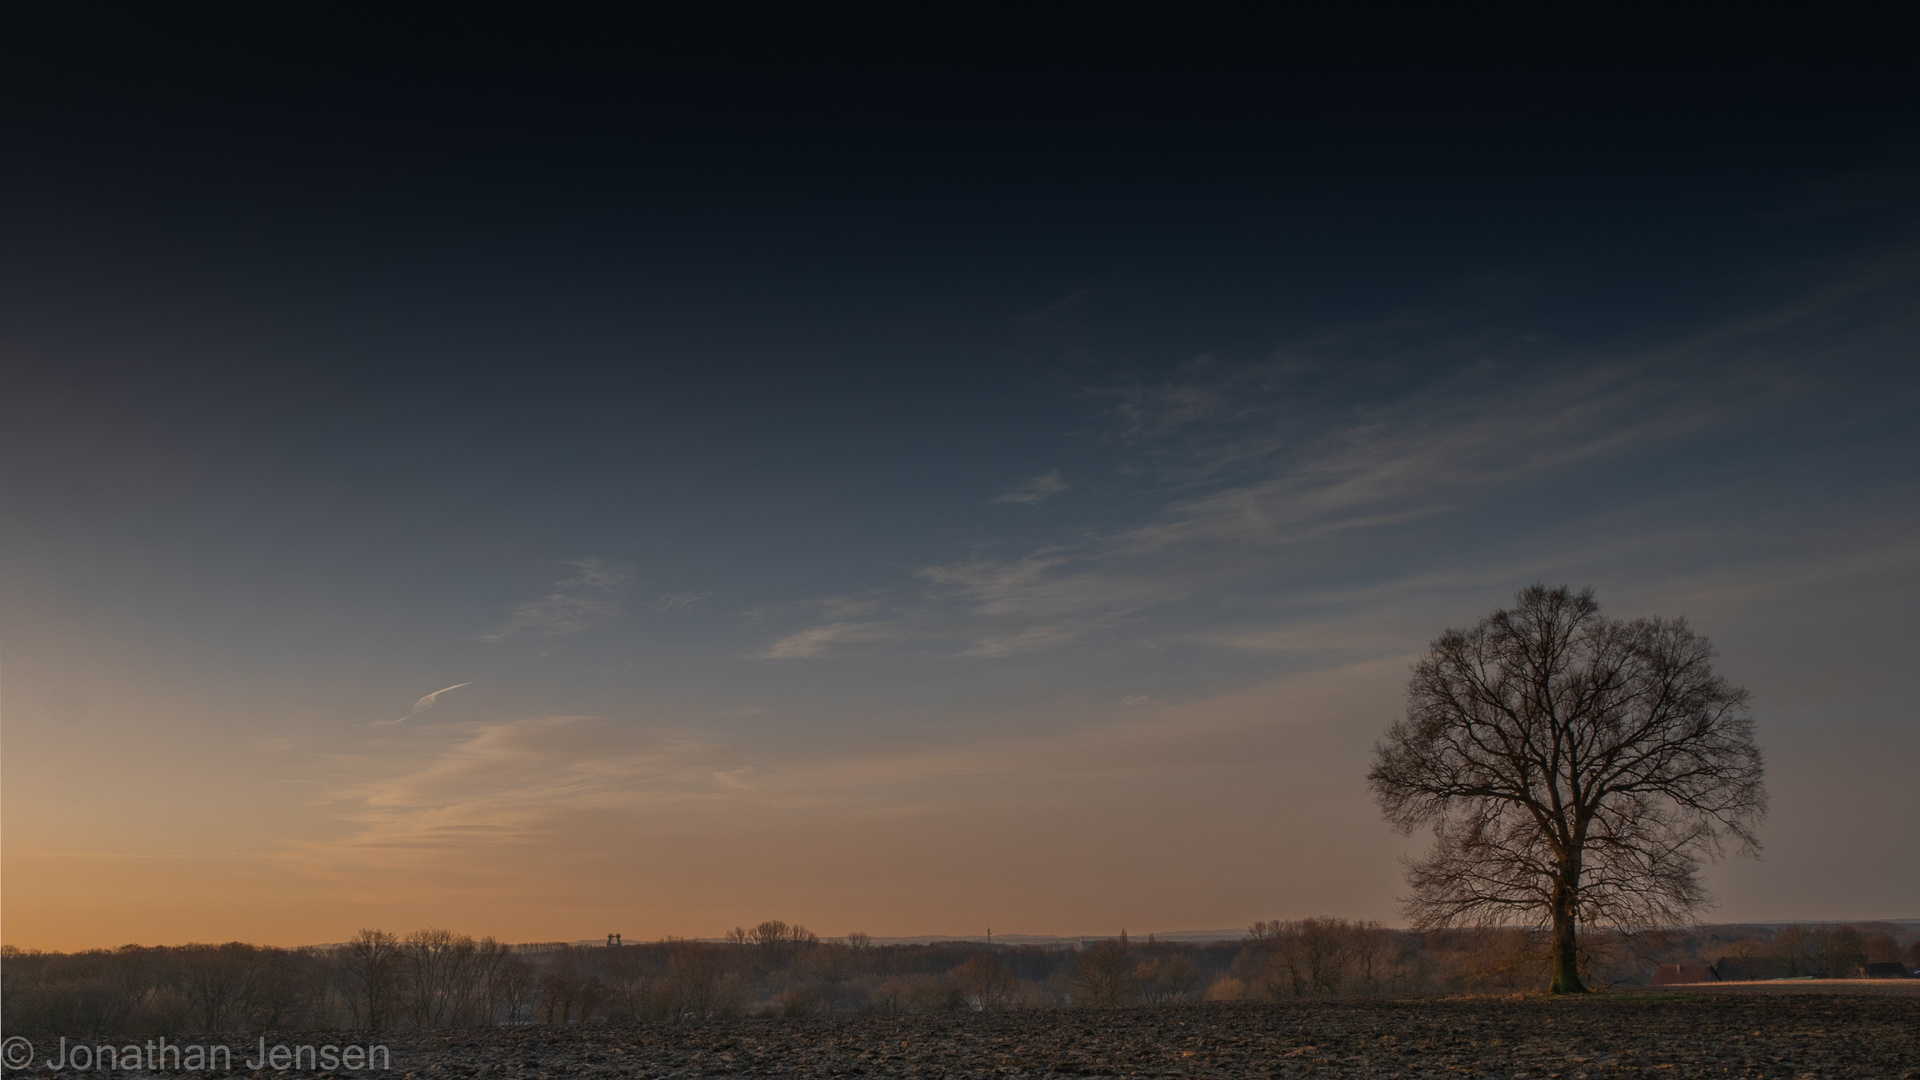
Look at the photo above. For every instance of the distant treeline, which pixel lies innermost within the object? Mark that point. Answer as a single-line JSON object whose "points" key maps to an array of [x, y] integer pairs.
{"points": [[433, 978], [1832, 951]]}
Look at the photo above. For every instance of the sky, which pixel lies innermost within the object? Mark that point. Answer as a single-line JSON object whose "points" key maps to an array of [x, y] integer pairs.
{"points": [[524, 507]]}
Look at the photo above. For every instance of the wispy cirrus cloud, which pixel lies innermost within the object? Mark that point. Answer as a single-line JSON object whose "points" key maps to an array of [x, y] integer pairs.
{"points": [[815, 640], [870, 618], [679, 601], [1428, 456], [1034, 490], [1264, 469], [500, 781], [590, 598], [518, 781]]}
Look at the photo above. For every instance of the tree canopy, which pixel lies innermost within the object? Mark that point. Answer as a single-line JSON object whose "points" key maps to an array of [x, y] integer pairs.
{"points": [[1575, 770]]}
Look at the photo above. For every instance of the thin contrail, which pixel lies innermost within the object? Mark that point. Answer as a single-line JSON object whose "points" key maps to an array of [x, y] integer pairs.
{"points": [[426, 703]]}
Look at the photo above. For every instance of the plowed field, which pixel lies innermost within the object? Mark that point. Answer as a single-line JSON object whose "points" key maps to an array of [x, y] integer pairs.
{"points": [[1721, 1033]]}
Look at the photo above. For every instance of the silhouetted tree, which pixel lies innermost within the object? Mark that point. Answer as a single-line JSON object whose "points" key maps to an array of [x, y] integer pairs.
{"points": [[1793, 949], [832, 966], [483, 969], [366, 966], [1102, 974], [1275, 962], [1881, 948], [984, 981], [436, 971], [1839, 950], [1165, 978], [631, 982], [560, 985], [1304, 955], [216, 981], [694, 972], [1370, 946], [778, 941], [1324, 948], [1575, 769], [512, 989], [284, 987]]}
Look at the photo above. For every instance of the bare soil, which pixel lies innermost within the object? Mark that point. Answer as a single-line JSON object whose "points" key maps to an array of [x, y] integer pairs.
{"points": [[1909, 987], [1690, 1033]]}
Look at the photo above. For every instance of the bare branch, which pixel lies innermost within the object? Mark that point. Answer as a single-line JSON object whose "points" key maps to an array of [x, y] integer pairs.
{"points": [[1574, 769]]}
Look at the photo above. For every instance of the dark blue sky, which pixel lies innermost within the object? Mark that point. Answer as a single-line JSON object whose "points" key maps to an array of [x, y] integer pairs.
{"points": [[880, 444]]}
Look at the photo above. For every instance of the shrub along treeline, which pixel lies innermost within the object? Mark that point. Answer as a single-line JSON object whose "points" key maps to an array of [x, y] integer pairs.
{"points": [[433, 978]]}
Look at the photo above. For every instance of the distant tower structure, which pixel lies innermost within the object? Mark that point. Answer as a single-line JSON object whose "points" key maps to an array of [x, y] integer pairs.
{"points": [[612, 940]]}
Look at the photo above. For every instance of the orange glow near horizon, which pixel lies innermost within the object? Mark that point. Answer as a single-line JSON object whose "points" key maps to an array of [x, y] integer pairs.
{"points": [[556, 829]]}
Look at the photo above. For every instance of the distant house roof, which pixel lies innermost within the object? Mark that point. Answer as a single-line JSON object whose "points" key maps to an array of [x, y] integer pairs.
{"points": [[1885, 969], [1679, 974]]}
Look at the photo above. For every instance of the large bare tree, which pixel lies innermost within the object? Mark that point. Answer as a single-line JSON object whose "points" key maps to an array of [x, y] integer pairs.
{"points": [[1575, 769]]}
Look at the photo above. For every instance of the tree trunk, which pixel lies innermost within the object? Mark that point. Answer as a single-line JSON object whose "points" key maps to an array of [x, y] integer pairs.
{"points": [[1566, 957]]}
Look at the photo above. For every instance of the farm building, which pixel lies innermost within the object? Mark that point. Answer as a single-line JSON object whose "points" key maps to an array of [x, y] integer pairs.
{"points": [[1885, 969]]}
